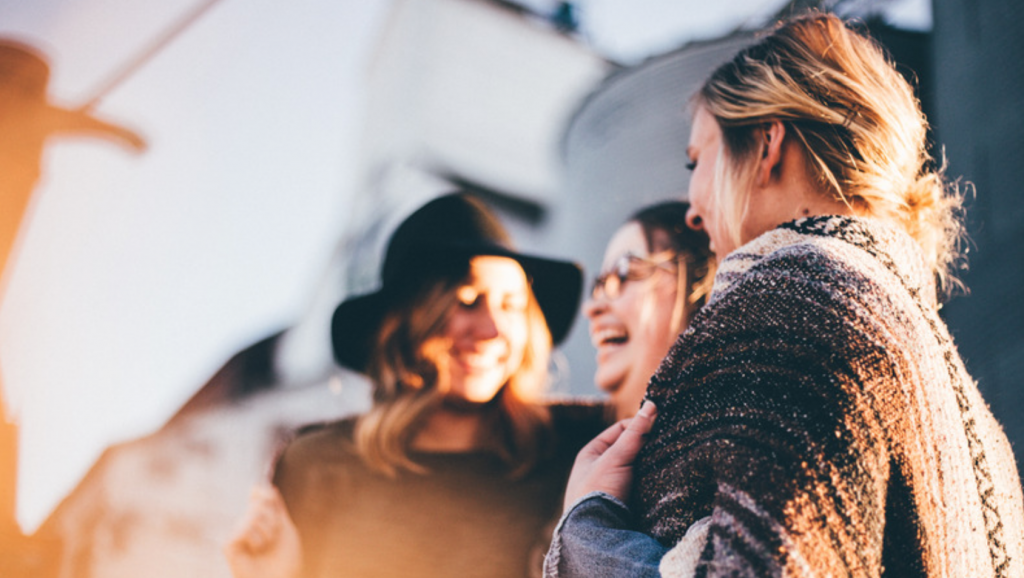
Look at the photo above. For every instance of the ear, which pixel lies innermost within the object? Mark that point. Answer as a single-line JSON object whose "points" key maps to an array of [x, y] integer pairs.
{"points": [[771, 151]]}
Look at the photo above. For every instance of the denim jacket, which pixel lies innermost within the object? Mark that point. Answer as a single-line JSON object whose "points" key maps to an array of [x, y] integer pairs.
{"points": [[593, 540]]}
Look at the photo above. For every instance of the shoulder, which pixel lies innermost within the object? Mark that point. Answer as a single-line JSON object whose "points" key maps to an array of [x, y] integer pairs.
{"points": [[320, 444], [812, 298], [805, 284], [814, 261], [325, 432], [572, 413], [576, 422], [794, 305], [818, 256]]}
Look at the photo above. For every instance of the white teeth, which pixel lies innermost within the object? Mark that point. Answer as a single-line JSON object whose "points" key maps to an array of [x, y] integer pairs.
{"points": [[478, 360], [602, 336]]}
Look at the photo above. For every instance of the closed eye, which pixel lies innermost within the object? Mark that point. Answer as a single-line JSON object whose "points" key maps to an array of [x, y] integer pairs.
{"points": [[467, 298], [514, 304]]}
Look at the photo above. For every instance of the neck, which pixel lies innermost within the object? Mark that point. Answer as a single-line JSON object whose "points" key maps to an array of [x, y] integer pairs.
{"points": [[451, 430], [820, 204], [791, 194]]}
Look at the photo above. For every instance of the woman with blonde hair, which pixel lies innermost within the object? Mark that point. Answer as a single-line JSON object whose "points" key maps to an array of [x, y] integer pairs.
{"points": [[815, 419], [459, 466]]}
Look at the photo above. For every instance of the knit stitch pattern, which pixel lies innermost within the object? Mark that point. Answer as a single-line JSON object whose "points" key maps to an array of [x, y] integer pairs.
{"points": [[817, 414]]}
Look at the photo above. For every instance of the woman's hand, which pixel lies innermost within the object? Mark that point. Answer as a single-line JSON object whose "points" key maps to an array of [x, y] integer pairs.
{"points": [[606, 463], [266, 543]]}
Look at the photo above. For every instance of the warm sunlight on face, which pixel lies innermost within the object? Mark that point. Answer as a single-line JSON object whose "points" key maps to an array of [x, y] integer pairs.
{"points": [[703, 152], [487, 328], [632, 331]]}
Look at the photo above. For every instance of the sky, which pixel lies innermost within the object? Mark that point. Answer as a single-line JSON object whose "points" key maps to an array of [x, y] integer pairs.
{"points": [[138, 275]]}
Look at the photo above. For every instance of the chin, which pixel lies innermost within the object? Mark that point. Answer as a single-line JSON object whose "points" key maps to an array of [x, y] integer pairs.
{"points": [[482, 393], [471, 399], [608, 379], [480, 397]]}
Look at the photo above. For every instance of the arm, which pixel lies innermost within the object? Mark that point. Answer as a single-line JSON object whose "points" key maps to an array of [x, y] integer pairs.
{"points": [[775, 414], [594, 537]]}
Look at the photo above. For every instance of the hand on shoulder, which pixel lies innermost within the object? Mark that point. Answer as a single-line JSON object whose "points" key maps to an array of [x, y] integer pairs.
{"points": [[606, 463], [266, 542]]}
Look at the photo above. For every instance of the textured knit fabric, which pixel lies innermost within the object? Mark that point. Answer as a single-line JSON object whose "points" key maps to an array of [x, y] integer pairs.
{"points": [[467, 517], [817, 414]]}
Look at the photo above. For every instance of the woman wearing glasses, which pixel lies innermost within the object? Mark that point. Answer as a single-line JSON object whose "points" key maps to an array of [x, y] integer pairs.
{"points": [[656, 273]]}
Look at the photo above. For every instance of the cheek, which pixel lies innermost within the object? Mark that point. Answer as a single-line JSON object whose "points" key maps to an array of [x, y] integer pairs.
{"points": [[697, 188], [517, 332], [628, 308], [436, 350], [456, 323], [639, 310], [700, 194], [659, 332], [662, 335], [702, 189]]}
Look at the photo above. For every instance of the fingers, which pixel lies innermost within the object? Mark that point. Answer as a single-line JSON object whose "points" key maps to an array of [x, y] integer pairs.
{"points": [[625, 435], [268, 496], [643, 421], [267, 542], [629, 441], [606, 463], [604, 440], [261, 523]]}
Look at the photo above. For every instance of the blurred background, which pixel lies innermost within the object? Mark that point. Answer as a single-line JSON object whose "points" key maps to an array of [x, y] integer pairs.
{"points": [[164, 312]]}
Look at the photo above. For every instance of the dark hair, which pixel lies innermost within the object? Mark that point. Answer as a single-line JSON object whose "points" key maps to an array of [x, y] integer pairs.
{"points": [[669, 218]]}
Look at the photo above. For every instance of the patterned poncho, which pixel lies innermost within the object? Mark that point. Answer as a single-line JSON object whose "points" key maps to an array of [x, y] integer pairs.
{"points": [[816, 420]]}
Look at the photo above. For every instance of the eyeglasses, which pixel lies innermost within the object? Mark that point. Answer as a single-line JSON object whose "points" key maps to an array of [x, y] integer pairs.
{"points": [[626, 268]]}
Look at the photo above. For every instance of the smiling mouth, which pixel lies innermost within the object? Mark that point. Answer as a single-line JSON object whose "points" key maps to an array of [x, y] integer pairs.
{"points": [[608, 337], [477, 362]]}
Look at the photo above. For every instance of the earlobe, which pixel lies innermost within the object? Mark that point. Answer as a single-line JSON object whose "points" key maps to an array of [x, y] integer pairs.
{"points": [[771, 150]]}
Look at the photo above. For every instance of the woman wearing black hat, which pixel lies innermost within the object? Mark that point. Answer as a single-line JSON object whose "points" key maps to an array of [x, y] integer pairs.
{"points": [[459, 466]]}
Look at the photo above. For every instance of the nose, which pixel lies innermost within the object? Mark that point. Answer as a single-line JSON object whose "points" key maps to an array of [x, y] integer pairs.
{"points": [[594, 306], [486, 323], [693, 220]]}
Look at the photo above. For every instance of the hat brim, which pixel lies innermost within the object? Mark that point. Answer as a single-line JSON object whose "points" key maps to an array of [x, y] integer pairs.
{"points": [[557, 286], [353, 326]]}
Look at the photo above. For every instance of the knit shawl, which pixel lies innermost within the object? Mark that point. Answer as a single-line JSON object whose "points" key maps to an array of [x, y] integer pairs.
{"points": [[816, 420]]}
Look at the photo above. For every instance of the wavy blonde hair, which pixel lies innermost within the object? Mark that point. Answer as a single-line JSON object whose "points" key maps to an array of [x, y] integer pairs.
{"points": [[409, 383], [858, 121]]}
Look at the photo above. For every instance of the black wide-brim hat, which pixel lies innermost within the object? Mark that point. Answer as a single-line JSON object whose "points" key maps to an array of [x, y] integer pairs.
{"points": [[437, 242]]}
